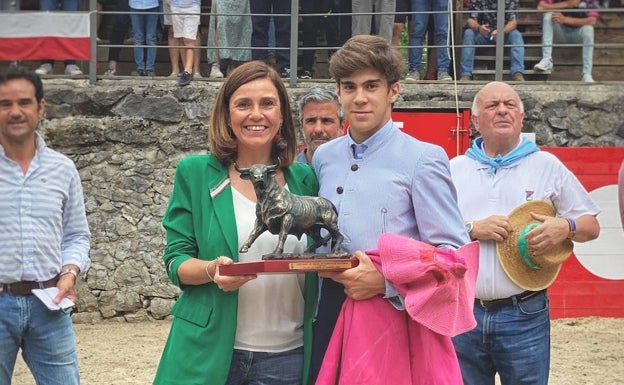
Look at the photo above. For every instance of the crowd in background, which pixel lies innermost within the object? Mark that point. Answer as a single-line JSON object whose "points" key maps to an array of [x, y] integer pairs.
{"points": [[235, 32]]}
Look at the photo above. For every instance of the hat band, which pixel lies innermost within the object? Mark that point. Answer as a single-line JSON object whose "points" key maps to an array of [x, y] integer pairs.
{"points": [[523, 249]]}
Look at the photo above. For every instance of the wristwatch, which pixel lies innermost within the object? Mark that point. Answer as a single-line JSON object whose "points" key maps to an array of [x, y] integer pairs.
{"points": [[469, 227], [69, 271]]}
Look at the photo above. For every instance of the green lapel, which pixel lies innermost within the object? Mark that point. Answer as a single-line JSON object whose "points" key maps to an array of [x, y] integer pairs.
{"points": [[221, 195]]}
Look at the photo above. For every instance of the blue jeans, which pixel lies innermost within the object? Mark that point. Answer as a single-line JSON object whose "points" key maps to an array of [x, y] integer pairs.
{"points": [[259, 368], [144, 33], [512, 340], [46, 338], [568, 35], [419, 23], [474, 38]]}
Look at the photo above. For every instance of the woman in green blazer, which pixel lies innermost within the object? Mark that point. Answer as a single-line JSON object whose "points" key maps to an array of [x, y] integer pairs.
{"points": [[233, 329]]}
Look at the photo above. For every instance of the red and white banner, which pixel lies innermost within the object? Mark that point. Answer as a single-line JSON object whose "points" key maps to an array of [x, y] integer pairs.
{"points": [[44, 35]]}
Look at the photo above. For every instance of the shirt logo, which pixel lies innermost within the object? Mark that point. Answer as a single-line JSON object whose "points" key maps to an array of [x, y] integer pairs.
{"points": [[528, 195]]}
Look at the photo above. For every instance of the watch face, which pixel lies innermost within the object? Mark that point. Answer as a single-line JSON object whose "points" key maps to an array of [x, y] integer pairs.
{"points": [[469, 227]]}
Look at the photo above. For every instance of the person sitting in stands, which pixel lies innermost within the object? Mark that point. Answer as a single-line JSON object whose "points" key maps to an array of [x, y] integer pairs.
{"points": [[571, 27], [481, 30]]}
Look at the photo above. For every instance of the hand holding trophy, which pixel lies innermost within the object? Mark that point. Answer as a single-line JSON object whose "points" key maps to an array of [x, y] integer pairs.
{"points": [[283, 213]]}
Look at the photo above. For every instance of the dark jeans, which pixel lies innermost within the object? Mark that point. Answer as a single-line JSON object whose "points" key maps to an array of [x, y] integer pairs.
{"points": [[260, 30], [311, 27], [261, 368], [119, 29]]}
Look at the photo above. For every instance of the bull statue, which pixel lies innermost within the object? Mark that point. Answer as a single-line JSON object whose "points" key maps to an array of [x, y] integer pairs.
{"points": [[283, 213]]}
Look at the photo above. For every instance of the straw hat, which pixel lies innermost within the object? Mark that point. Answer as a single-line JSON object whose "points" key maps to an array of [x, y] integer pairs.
{"points": [[527, 271]]}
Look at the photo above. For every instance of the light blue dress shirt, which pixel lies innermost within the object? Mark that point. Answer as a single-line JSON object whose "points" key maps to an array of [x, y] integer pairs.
{"points": [[43, 224], [400, 185]]}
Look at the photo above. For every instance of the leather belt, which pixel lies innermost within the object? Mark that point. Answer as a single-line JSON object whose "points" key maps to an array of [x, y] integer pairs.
{"points": [[509, 301], [25, 287]]}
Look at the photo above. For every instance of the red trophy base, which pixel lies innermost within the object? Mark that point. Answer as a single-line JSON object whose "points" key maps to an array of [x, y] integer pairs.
{"points": [[301, 265]]}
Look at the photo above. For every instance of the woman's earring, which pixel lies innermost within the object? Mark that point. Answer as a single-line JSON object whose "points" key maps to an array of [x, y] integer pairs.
{"points": [[280, 142]]}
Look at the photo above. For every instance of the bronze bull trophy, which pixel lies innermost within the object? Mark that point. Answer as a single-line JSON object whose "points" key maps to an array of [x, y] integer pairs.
{"points": [[282, 213]]}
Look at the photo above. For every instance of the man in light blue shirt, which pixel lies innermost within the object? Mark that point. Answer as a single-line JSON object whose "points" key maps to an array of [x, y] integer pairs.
{"points": [[44, 238], [380, 179]]}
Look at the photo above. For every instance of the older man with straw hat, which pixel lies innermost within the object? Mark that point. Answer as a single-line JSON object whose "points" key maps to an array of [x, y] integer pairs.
{"points": [[525, 208]]}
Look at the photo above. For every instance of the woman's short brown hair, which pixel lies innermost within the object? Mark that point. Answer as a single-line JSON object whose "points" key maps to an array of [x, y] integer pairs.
{"points": [[223, 143], [362, 52]]}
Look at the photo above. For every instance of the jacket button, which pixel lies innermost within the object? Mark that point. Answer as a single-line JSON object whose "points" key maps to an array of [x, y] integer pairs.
{"points": [[354, 167], [339, 189]]}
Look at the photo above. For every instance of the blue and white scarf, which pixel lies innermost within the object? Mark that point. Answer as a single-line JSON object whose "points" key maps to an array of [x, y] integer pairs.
{"points": [[476, 152]]}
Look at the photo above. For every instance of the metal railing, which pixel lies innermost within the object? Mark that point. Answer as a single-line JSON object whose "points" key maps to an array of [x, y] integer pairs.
{"points": [[295, 48]]}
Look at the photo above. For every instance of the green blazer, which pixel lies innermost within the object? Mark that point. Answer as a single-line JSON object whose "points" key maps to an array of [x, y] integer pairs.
{"points": [[200, 224]]}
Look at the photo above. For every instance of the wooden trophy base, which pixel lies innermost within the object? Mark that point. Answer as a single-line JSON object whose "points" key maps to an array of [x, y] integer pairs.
{"points": [[290, 263]]}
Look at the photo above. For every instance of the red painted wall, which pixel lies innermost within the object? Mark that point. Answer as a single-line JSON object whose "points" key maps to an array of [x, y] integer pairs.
{"points": [[581, 289]]}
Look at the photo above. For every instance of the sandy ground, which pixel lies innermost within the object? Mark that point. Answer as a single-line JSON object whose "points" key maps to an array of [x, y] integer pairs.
{"points": [[585, 351]]}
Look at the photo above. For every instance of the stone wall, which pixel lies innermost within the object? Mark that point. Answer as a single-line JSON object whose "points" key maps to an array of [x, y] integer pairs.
{"points": [[126, 137]]}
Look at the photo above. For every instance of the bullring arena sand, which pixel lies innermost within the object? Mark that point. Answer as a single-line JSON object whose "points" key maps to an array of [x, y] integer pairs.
{"points": [[585, 351]]}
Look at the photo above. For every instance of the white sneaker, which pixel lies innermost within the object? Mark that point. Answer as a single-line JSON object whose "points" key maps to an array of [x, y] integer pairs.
{"points": [[413, 76], [587, 78], [44, 69], [545, 65], [197, 75], [215, 71], [444, 76], [72, 69]]}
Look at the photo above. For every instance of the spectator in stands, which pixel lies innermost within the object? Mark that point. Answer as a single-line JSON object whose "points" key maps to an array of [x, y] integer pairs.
{"points": [[185, 19], [144, 26], [260, 32], [321, 120], [432, 61], [400, 21], [418, 29], [531, 196], [98, 19], [312, 25], [227, 31], [174, 44], [365, 10], [481, 30], [175, 54], [118, 32], [47, 66], [568, 22], [432, 53], [197, 54], [345, 21]]}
